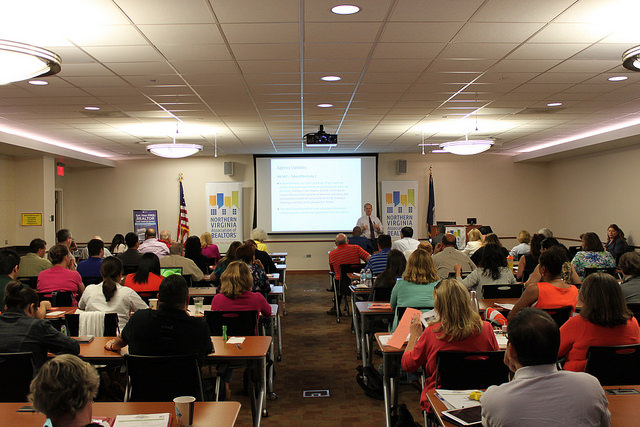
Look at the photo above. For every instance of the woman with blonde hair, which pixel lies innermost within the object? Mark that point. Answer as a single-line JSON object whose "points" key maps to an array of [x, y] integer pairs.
{"points": [[235, 291], [474, 242], [523, 247], [415, 289], [209, 249], [459, 328]]}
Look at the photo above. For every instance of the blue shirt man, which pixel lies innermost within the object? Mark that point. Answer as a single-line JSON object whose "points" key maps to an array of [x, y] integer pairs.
{"points": [[358, 239], [378, 261], [90, 267]]}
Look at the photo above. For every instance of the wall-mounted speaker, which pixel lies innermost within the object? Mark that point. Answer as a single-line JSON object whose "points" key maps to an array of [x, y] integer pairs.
{"points": [[228, 168], [401, 166]]}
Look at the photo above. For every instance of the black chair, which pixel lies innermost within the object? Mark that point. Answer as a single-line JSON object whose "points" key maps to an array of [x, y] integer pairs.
{"points": [[129, 269], [614, 365], [560, 315], [91, 280], [461, 370], [31, 281], [341, 288], [162, 378], [609, 270], [400, 310], [16, 372], [110, 324], [573, 250], [635, 309], [502, 291], [188, 279], [58, 298], [238, 323]]}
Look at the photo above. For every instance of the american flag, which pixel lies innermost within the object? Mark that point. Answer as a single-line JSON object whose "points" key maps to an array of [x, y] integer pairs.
{"points": [[183, 221]]}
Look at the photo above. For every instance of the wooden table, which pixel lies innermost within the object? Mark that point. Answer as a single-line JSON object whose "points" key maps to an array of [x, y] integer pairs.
{"points": [[208, 291], [278, 293], [224, 413], [625, 409], [367, 316], [253, 351], [391, 364]]}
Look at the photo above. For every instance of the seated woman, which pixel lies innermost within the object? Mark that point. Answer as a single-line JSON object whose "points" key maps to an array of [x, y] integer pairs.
{"points": [[568, 275], [246, 253], [523, 247], [616, 243], [630, 265], [553, 292], [222, 264], [209, 250], [493, 271], [459, 328], [60, 277], [604, 320], [489, 239], [109, 296], [592, 255], [193, 251], [528, 262], [415, 289], [259, 235], [236, 295], [474, 242], [384, 283], [117, 245], [146, 280], [24, 329], [64, 390]]}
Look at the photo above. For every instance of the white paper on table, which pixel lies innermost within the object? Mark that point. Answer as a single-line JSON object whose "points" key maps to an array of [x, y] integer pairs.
{"points": [[143, 420], [456, 399], [502, 340], [235, 340], [384, 339], [54, 313], [428, 316], [506, 306]]}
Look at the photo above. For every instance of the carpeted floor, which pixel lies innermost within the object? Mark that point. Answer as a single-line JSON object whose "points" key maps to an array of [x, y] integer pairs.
{"points": [[318, 353]]}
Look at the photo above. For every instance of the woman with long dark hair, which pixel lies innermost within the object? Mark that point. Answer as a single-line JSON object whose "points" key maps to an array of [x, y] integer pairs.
{"points": [[147, 278], [109, 296], [384, 283], [616, 243], [193, 251], [493, 270], [117, 245], [528, 262]]}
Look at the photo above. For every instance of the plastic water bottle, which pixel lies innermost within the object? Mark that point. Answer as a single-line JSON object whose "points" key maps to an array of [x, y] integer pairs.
{"points": [[224, 332], [474, 301], [510, 262], [363, 277], [369, 277]]}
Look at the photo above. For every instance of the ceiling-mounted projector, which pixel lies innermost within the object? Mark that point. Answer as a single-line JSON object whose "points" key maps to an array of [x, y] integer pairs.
{"points": [[321, 139]]}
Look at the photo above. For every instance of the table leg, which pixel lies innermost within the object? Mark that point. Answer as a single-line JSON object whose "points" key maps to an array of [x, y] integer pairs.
{"points": [[272, 395], [278, 327], [363, 347], [386, 390], [356, 326]]}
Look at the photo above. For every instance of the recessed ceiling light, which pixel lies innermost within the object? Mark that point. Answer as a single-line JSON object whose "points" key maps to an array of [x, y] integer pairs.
{"points": [[38, 82], [325, 105], [92, 108], [331, 78], [554, 104], [345, 9], [617, 78]]}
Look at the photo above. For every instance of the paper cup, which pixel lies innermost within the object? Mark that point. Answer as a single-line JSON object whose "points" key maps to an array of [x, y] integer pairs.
{"points": [[153, 303], [184, 410], [199, 302]]}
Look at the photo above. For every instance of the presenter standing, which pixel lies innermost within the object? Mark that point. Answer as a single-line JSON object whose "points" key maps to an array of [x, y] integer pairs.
{"points": [[371, 225]]}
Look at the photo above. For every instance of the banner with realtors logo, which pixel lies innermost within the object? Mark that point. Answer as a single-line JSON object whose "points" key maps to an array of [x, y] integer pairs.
{"points": [[399, 209], [224, 211]]}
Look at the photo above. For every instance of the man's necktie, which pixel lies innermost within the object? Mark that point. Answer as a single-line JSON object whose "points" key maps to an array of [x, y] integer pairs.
{"points": [[371, 230]]}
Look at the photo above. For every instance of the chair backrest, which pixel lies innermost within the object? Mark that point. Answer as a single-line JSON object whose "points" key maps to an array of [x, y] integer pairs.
{"points": [[609, 270], [91, 280], [381, 294], [16, 372], [560, 315], [400, 310], [635, 309], [162, 378], [58, 298], [614, 365], [461, 370], [502, 291], [110, 324], [573, 250], [129, 269], [349, 268], [188, 279], [239, 323], [31, 281]]}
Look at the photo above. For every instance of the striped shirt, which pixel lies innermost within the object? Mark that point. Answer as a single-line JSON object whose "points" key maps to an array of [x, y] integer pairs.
{"points": [[346, 254], [378, 261]]}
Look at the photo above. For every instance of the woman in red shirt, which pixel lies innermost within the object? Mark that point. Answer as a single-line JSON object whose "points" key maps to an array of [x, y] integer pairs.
{"points": [[604, 320], [553, 292], [147, 279], [459, 328]]}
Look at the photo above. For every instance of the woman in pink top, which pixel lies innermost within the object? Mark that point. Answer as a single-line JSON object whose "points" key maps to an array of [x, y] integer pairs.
{"points": [[553, 292], [604, 320], [235, 292], [208, 248], [60, 277]]}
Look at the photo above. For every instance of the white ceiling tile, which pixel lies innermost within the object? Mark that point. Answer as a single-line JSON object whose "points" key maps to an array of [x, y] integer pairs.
{"points": [[547, 50], [110, 35], [356, 32], [182, 34], [196, 52], [261, 33], [435, 10], [123, 53], [569, 33], [419, 32], [320, 11], [524, 65], [582, 66], [166, 11], [246, 51], [336, 50], [140, 68], [201, 67], [262, 11], [510, 11], [477, 32], [478, 50]]}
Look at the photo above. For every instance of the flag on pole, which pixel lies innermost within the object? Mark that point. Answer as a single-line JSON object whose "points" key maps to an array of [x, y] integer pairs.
{"points": [[183, 221], [431, 207]]}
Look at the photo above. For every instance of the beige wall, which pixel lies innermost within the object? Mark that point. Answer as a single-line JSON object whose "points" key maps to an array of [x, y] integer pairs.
{"points": [[35, 185], [590, 192], [8, 222]]}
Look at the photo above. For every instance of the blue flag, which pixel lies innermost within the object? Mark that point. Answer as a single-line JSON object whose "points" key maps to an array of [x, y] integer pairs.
{"points": [[431, 207]]}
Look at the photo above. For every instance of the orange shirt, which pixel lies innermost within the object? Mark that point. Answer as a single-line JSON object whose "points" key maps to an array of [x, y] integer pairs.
{"points": [[144, 289], [578, 334], [550, 296]]}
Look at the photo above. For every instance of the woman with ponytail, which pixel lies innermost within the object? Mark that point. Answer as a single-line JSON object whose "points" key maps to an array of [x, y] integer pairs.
{"points": [[24, 329], [109, 296]]}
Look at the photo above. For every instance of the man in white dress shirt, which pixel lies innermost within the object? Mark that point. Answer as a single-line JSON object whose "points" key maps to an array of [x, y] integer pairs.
{"points": [[407, 243], [370, 225]]}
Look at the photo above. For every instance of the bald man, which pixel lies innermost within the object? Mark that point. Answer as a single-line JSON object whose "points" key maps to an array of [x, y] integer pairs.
{"points": [[344, 253], [450, 256]]}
